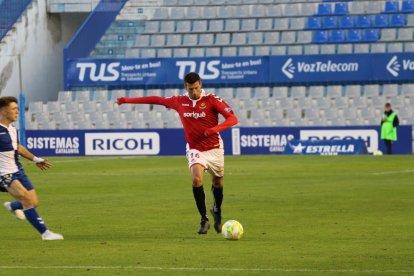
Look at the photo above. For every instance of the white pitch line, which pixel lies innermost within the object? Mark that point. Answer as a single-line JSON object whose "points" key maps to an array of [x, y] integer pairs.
{"points": [[393, 172], [213, 269]]}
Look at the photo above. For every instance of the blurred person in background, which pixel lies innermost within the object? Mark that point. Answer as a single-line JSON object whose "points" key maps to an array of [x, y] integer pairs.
{"points": [[389, 123]]}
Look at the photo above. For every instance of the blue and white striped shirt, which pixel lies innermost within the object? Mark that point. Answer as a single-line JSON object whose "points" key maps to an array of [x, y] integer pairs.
{"points": [[9, 156]]}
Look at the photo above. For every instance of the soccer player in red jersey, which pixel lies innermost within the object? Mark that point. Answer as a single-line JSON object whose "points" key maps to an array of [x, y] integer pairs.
{"points": [[199, 114]]}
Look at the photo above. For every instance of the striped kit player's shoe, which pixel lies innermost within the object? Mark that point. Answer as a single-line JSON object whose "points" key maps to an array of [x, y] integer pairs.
{"points": [[17, 213]]}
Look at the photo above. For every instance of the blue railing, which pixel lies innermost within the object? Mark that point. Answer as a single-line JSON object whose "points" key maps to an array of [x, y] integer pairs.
{"points": [[92, 30], [10, 12]]}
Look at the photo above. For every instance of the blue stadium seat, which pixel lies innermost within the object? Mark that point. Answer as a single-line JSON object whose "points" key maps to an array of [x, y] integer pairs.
{"points": [[354, 36], [341, 8], [381, 21], [363, 21], [397, 20], [371, 35], [338, 36], [320, 37], [330, 22], [392, 7], [346, 22], [407, 6], [324, 9], [314, 23]]}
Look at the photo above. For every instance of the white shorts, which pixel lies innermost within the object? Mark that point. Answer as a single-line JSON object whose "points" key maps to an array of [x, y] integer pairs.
{"points": [[211, 160]]}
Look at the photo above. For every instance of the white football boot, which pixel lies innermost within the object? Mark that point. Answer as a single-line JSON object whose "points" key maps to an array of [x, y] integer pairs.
{"points": [[18, 213], [50, 236]]}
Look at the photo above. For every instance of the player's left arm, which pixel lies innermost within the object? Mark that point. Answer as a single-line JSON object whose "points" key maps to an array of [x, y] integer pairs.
{"points": [[41, 163], [225, 110]]}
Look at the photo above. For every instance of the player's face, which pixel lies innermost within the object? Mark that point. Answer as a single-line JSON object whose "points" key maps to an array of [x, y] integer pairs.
{"points": [[10, 112], [194, 90]]}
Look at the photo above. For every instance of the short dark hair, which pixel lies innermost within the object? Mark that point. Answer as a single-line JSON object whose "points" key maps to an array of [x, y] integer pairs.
{"points": [[387, 105], [5, 101], [192, 78]]}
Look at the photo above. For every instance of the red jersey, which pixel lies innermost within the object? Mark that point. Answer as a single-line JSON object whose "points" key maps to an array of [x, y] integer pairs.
{"points": [[197, 116]]}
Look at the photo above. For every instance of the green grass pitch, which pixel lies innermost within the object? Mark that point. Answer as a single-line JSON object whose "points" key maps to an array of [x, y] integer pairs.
{"points": [[301, 215]]}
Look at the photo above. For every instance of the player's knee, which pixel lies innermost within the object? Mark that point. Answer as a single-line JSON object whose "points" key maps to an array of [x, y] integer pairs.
{"points": [[218, 182], [197, 181]]}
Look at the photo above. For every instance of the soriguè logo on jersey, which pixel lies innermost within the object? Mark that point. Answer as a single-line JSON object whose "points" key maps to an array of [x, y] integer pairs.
{"points": [[194, 115]]}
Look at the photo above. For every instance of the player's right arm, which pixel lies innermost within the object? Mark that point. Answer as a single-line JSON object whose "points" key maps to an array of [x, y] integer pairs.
{"points": [[167, 102]]}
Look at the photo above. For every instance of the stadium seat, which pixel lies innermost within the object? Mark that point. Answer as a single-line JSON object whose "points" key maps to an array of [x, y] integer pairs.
{"points": [[258, 11], [216, 26], [341, 8], [341, 102], [397, 20], [185, 26], [357, 7], [346, 22], [206, 39], [190, 40], [311, 49], [371, 90], [180, 52], [363, 21], [320, 37], [407, 89], [248, 25], [232, 25], [295, 50], [222, 39], [388, 34], [262, 93], [304, 37], [209, 12], [246, 51], [297, 23], [324, 9], [151, 26], [352, 91], [281, 24], [167, 26], [158, 41], [316, 91], [213, 52], [395, 47], [239, 39], [407, 6], [255, 38], [271, 38], [371, 35], [308, 8], [334, 91], [328, 49], [262, 50], [354, 36], [164, 53], [330, 22], [338, 36], [288, 37], [298, 92], [198, 26], [142, 41], [392, 7], [65, 96], [197, 52], [229, 51], [405, 34], [173, 40], [345, 49], [374, 7], [378, 48], [265, 24], [273, 11], [390, 90], [361, 48], [280, 92], [82, 96], [314, 23], [380, 21]]}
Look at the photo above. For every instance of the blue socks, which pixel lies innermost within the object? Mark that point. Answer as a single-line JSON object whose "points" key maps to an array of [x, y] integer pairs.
{"points": [[16, 205], [35, 220]]}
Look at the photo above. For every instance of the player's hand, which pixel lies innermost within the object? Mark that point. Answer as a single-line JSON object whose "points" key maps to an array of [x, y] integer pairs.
{"points": [[120, 101], [44, 165], [208, 132]]}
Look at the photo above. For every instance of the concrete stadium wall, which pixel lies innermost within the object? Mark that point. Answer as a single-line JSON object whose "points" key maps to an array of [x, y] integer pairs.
{"points": [[39, 38]]}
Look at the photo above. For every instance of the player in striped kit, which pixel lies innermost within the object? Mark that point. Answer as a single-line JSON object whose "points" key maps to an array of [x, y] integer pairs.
{"points": [[13, 179]]}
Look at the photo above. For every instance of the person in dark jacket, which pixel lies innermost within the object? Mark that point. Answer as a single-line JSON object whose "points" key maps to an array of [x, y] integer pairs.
{"points": [[389, 123]]}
